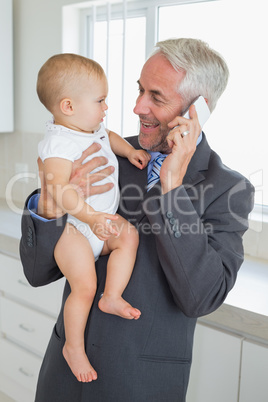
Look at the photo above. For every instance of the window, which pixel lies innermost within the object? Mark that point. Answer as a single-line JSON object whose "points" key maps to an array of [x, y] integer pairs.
{"points": [[120, 35], [121, 66], [115, 36]]}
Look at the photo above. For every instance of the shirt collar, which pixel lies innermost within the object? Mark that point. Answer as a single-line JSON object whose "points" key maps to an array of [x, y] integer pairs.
{"points": [[155, 155]]}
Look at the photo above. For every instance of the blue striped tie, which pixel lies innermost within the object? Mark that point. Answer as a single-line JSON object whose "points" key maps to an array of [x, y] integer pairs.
{"points": [[155, 173]]}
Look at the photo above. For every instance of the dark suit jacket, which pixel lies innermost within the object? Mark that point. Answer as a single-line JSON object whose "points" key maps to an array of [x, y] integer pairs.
{"points": [[189, 253]]}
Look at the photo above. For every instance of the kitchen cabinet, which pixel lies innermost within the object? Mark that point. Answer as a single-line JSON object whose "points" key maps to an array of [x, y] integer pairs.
{"points": [[216, 366], [254, 371], [6, 67], [227, 368], [27, 317]]}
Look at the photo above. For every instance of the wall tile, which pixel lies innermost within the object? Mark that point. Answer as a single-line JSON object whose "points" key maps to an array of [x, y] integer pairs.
{"points": [[16, 148], [2, 149], [250, 241], [262, 249]]}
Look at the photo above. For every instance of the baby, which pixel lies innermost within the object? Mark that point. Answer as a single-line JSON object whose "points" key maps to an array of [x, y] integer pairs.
{"points": [[74, 89]]}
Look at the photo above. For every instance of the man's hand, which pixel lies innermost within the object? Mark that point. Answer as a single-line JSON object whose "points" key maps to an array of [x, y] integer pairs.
{"points": [[81, 178], [182, 147]]}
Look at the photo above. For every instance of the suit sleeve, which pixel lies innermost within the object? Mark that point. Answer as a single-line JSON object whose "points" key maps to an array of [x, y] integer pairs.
{"points": [[37, 245], [201, 254]]}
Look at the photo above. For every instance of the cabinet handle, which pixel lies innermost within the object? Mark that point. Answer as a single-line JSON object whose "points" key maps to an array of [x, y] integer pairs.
{"points": [[24, 283], [25, 372], [26, 328]]}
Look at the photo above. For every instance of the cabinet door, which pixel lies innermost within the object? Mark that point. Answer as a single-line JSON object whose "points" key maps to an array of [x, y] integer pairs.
{"points": [[19, 365], [25, 326], [215, 368], [254, 373], [14, 284]]}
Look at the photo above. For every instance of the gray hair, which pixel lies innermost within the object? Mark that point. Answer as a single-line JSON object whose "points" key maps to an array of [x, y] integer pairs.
{"points": [[206, 71]]}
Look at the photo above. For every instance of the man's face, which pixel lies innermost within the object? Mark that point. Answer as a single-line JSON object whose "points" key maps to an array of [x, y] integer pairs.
{"points": [[158, 102]]}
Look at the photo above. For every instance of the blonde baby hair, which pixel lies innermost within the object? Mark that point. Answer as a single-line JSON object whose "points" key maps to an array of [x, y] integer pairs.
{"points": [[61, 74]]}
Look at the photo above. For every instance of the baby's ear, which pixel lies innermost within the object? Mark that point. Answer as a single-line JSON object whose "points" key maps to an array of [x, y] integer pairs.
{"points": [[66, 107]]}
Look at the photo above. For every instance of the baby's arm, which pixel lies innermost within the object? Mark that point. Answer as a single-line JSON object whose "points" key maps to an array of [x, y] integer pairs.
{"points": [[121, 147], [57, 175]]}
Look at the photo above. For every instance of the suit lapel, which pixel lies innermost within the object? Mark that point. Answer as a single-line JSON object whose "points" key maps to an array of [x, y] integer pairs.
{"points": [[132, 182], [198, 164]]}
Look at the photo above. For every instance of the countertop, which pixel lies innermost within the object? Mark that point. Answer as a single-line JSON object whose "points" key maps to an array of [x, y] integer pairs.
{"points": [[245, 311]]}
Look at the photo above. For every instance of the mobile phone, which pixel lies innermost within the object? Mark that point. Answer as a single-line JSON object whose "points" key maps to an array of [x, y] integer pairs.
{"points": [[202, 110]]}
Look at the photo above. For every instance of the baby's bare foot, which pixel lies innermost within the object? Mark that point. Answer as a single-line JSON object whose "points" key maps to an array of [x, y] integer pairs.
{"points": [[79, 364], [118, 306]]}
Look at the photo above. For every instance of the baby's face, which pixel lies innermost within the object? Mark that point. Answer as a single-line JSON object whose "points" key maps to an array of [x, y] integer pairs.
{"points": [[89, 103]]}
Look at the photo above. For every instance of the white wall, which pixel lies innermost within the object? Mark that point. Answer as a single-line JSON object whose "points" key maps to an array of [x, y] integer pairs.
{"points": [[37, 36]]}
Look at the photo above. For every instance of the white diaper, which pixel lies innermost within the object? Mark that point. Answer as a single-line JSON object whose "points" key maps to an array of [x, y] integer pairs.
{"points": [[95, 243]]}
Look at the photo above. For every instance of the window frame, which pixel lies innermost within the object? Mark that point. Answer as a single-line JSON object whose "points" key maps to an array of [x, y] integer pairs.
{"points": [[133, 8]]}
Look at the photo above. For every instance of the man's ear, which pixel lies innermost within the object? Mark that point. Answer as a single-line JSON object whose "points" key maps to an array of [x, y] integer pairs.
{"points": [[66, 107]]}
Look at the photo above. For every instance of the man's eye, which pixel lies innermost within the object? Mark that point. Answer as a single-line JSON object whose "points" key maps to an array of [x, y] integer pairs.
{"points": [[141, 91], [156, 99], [101, 100]]}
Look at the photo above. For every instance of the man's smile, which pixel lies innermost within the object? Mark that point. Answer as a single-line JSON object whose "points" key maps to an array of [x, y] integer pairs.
{"points": [[148, 126]]}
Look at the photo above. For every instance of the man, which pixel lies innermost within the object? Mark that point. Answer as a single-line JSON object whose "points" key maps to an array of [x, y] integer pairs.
{"points": [[190, 225]]}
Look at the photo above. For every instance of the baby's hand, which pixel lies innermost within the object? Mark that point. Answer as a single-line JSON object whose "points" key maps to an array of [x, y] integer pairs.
{"points": [[100, 224], [139, 158]]}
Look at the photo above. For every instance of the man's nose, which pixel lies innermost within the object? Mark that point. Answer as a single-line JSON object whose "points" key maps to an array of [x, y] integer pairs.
{"points": [[142, 106]]}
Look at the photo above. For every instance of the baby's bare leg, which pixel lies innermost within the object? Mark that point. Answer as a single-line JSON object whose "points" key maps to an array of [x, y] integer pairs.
{"points": [[120, 265], [75, 259]]}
